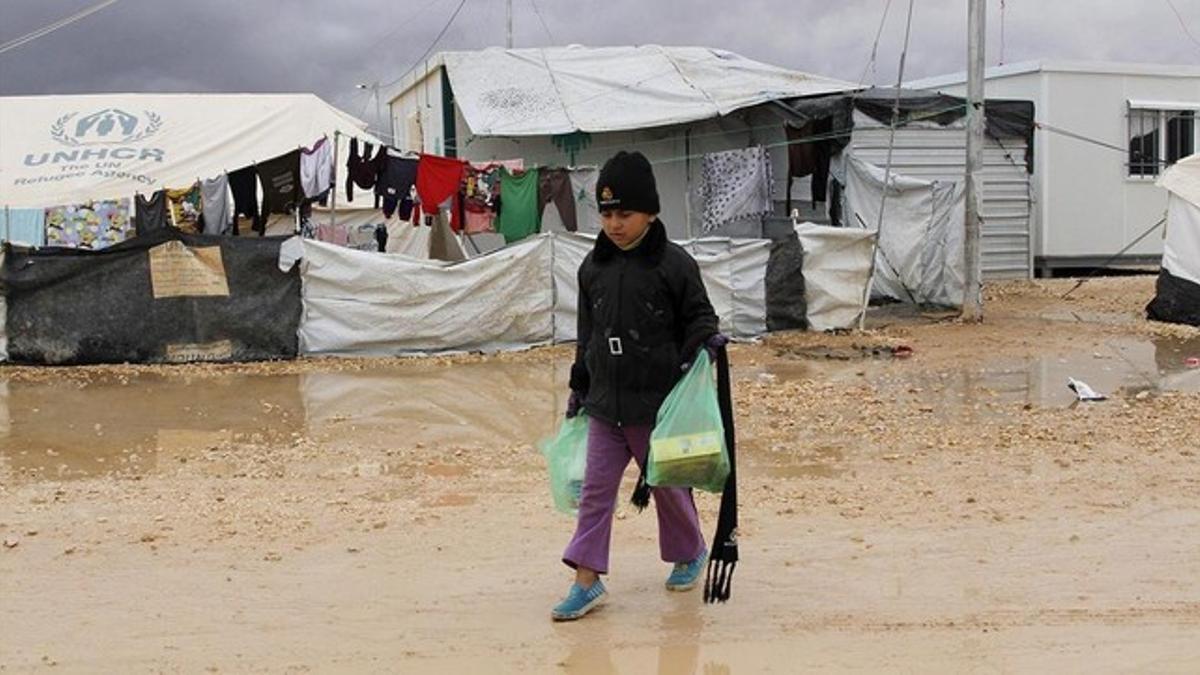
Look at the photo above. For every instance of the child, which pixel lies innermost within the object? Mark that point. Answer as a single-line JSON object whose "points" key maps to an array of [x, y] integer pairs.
{"points": [[643, 316]]}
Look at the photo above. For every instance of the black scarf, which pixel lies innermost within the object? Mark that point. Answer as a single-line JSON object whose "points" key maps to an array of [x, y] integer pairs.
{"points": [[724, 555]]}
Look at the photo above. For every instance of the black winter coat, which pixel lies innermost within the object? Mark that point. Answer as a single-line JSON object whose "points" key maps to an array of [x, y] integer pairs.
{"points": [[642, 314]]}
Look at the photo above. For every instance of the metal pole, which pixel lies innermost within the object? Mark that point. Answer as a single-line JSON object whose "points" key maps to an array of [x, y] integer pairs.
{"points": [[508, 17], [972, 309]]}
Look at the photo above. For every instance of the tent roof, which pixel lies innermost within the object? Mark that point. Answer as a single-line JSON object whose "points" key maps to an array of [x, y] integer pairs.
{"points": [[559, 90], [71, 149], [1183, 179]]}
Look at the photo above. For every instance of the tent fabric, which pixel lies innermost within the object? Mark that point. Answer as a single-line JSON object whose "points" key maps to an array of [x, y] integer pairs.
{"points": [[1183, 179], [556, 90], [837, 269], [1177, 293], [73, 149], [358, 303], [1003, 118], [920, 257], [164, 297]]}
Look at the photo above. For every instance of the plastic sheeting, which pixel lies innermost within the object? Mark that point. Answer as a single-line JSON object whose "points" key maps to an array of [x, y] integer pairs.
{"points": [[358, 303], [920, 256], [72, 149], [1177, 293], [1181, 249], [837, 267], [559, 90], [166, 297]]}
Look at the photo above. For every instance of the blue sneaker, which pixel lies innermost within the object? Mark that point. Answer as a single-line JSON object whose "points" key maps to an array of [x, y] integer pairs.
{"points": [[685, 575], [579, 601]]}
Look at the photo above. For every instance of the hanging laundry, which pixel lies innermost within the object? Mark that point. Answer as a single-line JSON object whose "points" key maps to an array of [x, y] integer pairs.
{"points": [[316, 168], [186, 204], [243, 183], [519, 212], [583, 188], [735, 184], [92, 225], [396, 178], [332, 234], [381, 237], [554, 185], [280, 179], [23, 226], [361, 170], [439, 179], [481, 196], [150, 214], [214, 198]]}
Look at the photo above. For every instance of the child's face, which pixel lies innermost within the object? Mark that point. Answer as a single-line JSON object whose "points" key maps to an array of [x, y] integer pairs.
{"points": [[624, 227]]}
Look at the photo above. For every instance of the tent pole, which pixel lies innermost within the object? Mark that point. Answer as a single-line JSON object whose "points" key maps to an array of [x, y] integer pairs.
{"points": [[687, 180], [333, 189]]}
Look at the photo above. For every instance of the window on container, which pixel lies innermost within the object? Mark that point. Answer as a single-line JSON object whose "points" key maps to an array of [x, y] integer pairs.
{"points": [[1144, 140], [1181, 135]]}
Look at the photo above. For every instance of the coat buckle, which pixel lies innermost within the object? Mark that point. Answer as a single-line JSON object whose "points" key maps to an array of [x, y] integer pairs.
{"points": [[614, 346]]}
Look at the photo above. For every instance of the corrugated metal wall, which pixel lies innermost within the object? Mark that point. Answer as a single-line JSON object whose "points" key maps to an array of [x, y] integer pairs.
{"points": [[940, 154]]}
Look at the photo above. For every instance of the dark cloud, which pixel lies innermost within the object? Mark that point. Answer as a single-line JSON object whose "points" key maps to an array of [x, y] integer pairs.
{"points": [[327, 48]]}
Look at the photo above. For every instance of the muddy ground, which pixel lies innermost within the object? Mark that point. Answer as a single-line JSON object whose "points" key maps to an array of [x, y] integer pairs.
{"points": [[953, 511]]}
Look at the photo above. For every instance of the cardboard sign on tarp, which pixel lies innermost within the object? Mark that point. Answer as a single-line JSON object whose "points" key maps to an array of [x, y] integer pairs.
{"points": [[167, 297]]}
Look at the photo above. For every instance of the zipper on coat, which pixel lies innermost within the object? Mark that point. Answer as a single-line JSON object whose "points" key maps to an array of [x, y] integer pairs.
{"points": [[616, 373]]}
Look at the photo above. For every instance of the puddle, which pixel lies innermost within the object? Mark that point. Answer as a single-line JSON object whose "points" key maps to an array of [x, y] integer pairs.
{"points": [[1120, 369], [146, 422]]}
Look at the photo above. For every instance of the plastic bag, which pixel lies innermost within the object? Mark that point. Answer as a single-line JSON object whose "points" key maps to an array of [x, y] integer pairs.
{"points": [[566, 458], [687, 447]]}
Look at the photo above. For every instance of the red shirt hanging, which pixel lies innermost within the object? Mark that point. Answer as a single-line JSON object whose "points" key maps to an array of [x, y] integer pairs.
{"points": [[439, 179]]}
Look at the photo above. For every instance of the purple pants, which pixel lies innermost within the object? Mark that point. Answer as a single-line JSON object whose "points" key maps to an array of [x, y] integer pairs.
{"points": [[609, 450]]}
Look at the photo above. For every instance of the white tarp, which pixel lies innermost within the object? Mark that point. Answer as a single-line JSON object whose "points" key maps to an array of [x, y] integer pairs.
{"points": [[559, 90], [1181, 249], [920, 256], [72, 149], [364, 303], [837, 267]]}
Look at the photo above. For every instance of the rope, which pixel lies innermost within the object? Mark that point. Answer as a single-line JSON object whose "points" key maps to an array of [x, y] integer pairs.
{"points": [[61, 23], [1115, 256], [887, 171]]}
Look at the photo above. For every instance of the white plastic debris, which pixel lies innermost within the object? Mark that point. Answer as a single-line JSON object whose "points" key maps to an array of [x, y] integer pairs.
{"points": [[1083, 392]]}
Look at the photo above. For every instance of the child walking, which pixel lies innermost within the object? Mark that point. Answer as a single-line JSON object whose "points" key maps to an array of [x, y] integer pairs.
{"points": [[643, 315]]}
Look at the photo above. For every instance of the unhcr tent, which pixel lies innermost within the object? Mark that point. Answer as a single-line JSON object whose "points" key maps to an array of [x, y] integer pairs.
{"points": [[72, 149], [1177, 298]]}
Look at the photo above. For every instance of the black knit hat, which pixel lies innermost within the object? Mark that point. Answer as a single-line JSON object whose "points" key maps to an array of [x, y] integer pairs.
{"points": [[627, 183]]}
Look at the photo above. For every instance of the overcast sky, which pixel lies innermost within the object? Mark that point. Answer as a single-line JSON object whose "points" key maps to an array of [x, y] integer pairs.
{"points": [[328, 47]]}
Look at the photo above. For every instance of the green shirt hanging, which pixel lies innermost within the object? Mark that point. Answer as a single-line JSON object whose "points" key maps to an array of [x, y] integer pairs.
{"points": [[519, 216]]}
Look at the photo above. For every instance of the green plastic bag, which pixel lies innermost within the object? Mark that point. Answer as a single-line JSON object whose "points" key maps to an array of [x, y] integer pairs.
{"points": [[566, 458], [687, 447]]}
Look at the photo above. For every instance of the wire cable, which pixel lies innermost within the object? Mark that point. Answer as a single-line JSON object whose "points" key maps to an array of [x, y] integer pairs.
{"points": [[875, 47], [436, 40], [1183, 24], [887, 171], [538, 12], [61, 23], [1116, 255]]}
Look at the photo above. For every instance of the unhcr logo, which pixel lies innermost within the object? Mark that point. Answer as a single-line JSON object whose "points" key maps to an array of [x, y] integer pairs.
{"points": [[108, 126], [99, 141]]}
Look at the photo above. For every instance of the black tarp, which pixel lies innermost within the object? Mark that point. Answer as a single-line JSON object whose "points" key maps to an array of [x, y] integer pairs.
{"points": [[1004, 118], [68, 306], [1175, 300], [786, 306]]}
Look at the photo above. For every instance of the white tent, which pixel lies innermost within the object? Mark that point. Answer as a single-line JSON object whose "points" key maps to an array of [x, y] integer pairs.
{"points": [[358, 303], [558, 90], [1178, 296], [920, 254], [71, 149]]}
